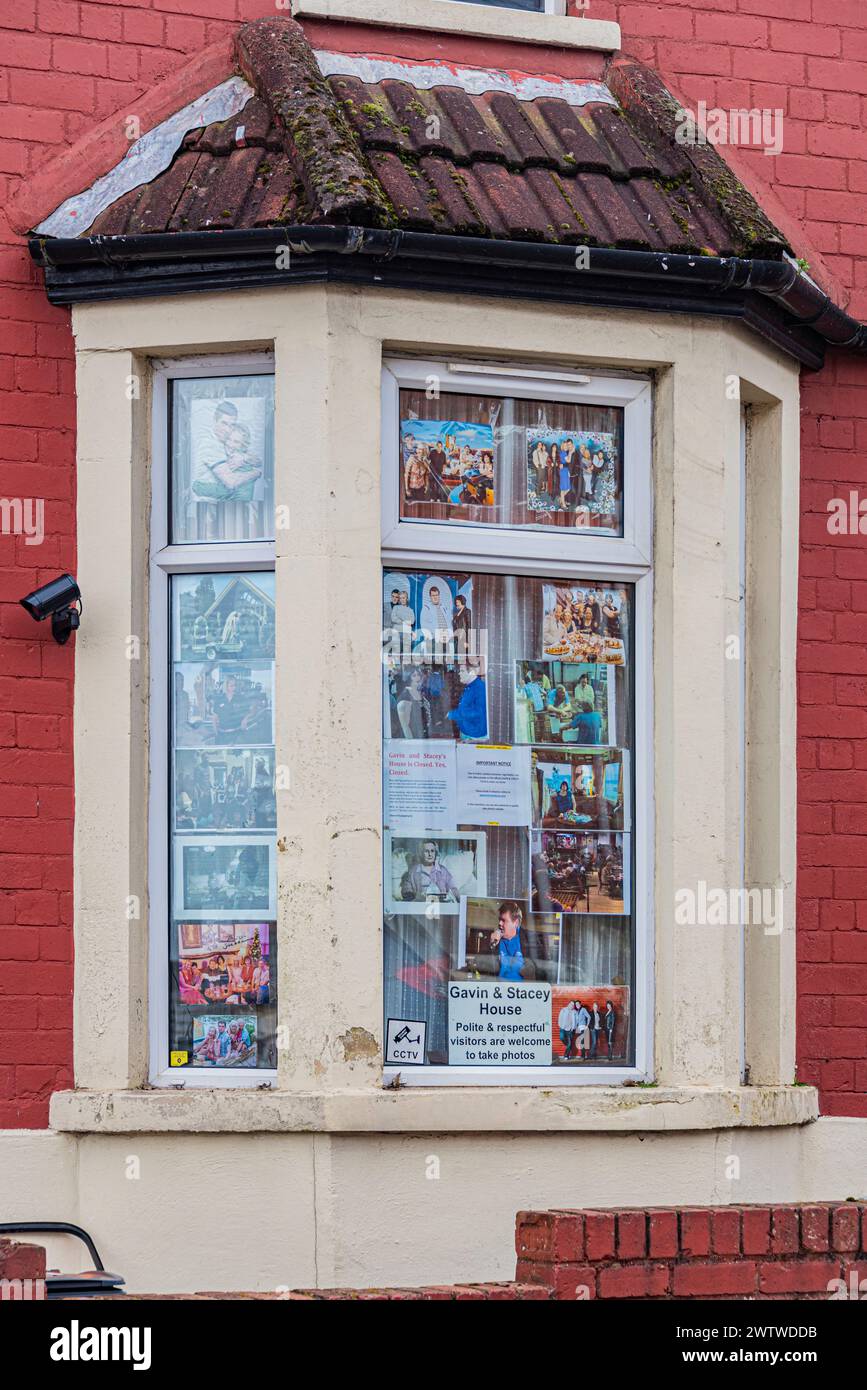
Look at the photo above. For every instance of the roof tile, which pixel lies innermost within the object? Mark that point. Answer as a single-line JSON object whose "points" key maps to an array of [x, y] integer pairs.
{"points": [[514, 120], [475, 134], [569, 138], [406, 191], [450, 199], [439, 160]]}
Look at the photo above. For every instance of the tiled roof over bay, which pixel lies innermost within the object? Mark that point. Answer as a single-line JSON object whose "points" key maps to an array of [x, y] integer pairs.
{"points": [[531, 162]]}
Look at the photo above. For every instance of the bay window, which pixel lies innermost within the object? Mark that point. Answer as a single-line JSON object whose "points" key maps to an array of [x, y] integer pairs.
{"points": [[425, 823]]}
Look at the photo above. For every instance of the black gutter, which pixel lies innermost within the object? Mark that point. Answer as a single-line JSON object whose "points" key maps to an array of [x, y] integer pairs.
{"points": [[773, 297]]}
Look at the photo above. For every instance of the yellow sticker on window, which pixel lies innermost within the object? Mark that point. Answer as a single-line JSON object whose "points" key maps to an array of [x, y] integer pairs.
{"points": [[178, 1059]]}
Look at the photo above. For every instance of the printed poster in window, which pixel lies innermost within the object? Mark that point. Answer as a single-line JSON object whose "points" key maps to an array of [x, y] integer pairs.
{"points": [[225, 789], [430, 873], [435, 684], [565, 702], [224, 1040], [580, 872], [419, 791], [574, 472], [223, 617], [234, 877], [230, 704], [222, 458], [502, 939], [447, 461], [585, 622], [580, 789], [429, 616], [225, 964], [590, 1024]]}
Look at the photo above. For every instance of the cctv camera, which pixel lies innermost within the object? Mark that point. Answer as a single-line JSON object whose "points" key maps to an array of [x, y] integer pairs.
{"points": [[54, 600]]}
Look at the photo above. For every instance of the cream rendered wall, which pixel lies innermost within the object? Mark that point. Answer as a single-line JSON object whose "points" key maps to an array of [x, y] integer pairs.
{"points": [[328, 346], [261, 1212], [332, 1171]]}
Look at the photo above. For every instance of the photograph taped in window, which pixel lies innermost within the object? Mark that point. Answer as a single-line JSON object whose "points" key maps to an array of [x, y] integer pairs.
{"points": [[538, 6], [511, 462], [222, 458], [222, 930], [496, 845], [569, 702]]}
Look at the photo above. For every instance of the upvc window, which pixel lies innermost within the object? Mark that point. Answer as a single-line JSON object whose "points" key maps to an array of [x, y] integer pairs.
{"points": [[517, 791], [213, 804], [537, 6]]}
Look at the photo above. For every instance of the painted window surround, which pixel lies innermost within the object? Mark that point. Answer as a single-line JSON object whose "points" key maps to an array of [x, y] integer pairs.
{"points": [[328, 354], [481, 21]]}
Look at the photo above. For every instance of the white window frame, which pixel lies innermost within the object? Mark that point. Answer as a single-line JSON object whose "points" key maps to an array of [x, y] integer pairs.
{"points": [[166, 560], [548, 7], [550, 554], [633, 548]]}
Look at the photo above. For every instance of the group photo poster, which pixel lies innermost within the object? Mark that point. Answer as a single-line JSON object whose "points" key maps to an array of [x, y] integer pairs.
{"points": [[580, 872], [234, 876], [575, 472], [590, 1023], [503, 939], [565, 702], [225, 964], [428, 617], [451, 462], [434, 671], [224, 1040], [580, 788], [585, 622], [429, 873], [225, 789]]}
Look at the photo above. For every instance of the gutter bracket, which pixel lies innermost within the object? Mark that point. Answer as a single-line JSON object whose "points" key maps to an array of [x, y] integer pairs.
{"points": [[354, 242], [395, 240], [100, 244]]}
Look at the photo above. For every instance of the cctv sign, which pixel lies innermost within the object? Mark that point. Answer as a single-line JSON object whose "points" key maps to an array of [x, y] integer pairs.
{"points": [[404, 1042]]}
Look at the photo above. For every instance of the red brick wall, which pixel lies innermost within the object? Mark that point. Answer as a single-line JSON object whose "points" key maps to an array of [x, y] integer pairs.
{"points": [[72, 64], [809, 59], [69, 65], [22, 1272], [785, 1252]]}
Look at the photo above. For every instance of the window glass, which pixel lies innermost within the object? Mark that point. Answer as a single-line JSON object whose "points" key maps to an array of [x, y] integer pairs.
{"points": [[222, 931], [536, 5], [222, 458], [508, 859], [510, 462]]}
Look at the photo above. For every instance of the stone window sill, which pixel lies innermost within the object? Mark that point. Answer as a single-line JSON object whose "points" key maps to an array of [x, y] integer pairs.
{"points": [[473, 1109], [481, 21]]}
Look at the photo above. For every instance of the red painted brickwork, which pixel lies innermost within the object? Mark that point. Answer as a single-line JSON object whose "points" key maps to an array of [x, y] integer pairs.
{"points": [[20, 1260], [808, 58], [789, 1252], [454, 1293], [71, 64]]}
